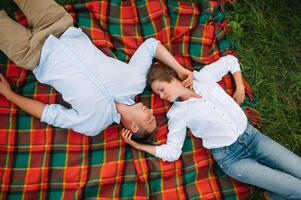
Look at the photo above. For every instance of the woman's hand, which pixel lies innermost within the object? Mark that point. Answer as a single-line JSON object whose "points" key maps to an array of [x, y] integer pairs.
{"points": [[186, 77], [126, 134], [239, 94], [4, 86]]}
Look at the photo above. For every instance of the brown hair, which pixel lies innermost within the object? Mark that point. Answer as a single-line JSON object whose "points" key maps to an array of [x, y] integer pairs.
{"points": [[161, 72], [142, 136]]}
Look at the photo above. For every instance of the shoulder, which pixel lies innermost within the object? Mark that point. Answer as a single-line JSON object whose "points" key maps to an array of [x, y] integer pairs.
{"points": [[175, 111], [200, 78]]}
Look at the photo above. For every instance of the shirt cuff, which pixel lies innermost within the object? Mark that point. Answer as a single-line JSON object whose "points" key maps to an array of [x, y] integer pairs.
{"points": [[152, 44], [159, 153], [234, 64], [47, 115]]}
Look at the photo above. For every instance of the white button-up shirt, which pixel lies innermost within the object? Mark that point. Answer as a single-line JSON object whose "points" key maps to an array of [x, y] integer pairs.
{"points": [[90, 81], [215, 117]]}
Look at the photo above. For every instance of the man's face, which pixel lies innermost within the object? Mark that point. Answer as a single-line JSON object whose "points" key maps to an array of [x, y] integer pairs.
{"points": [[144, 117]]}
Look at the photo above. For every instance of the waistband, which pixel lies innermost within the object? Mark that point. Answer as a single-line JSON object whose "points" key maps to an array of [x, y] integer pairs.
{"points": [[245, 136]]}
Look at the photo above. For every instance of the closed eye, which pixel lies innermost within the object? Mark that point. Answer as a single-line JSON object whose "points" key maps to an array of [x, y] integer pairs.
{"points": [[159, 90]]}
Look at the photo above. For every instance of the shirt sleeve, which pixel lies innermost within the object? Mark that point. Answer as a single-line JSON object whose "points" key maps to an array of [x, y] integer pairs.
{"points": [[216, 70], [172, 150], [59, 116], [143, 56]]}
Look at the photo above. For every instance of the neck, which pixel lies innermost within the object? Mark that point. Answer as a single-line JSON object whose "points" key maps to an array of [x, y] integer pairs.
{"points": [[121, 109], [187, 94]]}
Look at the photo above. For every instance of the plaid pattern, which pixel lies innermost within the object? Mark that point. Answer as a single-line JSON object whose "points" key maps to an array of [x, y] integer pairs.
{"points": [[38, 161]]}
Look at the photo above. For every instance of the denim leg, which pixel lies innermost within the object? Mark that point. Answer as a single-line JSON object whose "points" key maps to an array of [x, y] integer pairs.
{"points": [[281, 184], [272, 154], [258, 160]]}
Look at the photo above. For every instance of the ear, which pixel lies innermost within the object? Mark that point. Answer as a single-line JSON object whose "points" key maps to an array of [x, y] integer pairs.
{"points": [[134, 127], [174, 79]]}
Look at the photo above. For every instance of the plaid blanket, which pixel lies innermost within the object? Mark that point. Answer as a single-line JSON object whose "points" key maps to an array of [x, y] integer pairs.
{"points": [[38, 161]]}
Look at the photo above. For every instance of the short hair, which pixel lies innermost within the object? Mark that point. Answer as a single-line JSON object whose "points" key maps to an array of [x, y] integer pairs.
{"points": [[161, 72], [143, 136]]}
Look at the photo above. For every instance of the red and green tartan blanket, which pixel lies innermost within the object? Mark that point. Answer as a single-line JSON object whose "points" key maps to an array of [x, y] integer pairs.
{"points": [[38, 161]]}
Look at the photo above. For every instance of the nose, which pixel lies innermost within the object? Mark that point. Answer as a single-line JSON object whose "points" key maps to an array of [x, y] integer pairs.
{"points": [[161, 96]]}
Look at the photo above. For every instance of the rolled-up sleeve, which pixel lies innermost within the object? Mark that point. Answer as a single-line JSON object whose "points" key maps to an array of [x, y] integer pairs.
{"points": [[59, 116], [216, 70], [143, 56], [172, 150]]}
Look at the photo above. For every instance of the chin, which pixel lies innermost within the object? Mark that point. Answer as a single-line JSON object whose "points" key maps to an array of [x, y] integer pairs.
{"points": [[170, 99]]}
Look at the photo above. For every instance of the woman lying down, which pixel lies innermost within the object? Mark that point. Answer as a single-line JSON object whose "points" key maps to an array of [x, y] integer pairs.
{"points": [[240, 150]]}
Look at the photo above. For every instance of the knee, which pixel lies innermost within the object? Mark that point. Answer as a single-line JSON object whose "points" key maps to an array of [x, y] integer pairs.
{"points": [[293, 192], [68, 20]]}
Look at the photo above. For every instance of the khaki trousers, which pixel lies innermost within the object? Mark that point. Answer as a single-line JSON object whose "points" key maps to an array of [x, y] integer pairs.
{"points": [[23, 46]]}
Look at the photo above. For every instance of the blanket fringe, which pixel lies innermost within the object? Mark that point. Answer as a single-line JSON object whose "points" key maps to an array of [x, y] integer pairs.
{"points": [[253, 116], [222, 2]]}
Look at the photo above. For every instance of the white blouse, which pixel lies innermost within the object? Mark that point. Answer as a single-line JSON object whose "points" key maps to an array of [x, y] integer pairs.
{"points": [[216, 117]]}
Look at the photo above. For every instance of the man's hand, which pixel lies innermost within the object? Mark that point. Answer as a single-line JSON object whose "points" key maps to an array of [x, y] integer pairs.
{"points": [[239, 94], [4, 86], [126, 134], [186, 77]]}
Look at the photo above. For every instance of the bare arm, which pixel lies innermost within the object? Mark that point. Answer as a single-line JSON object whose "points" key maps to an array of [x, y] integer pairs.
{"points": [[171, 150], [239, 94], [33, 107], [163, 55], [126, 134]]}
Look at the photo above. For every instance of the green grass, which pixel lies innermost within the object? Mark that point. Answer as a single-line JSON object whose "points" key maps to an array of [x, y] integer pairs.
{"points": [[267, 35]]}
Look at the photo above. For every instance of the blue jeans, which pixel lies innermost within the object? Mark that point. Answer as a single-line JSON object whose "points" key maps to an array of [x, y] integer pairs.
{"points": [[258, 160]]}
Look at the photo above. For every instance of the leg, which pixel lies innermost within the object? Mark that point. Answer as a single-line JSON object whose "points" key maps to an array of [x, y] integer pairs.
{"points": [[272, 154], [281, 184], [45, 14], [24, 47], [15, 40]]}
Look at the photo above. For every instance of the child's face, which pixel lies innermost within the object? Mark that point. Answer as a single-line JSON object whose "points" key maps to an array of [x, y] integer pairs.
{"points": [[167, 91]]}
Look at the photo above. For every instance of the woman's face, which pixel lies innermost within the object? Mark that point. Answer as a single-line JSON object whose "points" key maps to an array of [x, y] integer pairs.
{"points": [[167, 91]]}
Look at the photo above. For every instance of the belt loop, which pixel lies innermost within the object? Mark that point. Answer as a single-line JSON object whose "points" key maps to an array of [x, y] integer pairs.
{"points": [[227, 149]]}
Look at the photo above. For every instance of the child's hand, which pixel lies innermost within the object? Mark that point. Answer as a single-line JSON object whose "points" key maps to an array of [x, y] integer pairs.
{"points": [[4, 86], [126, 134], [186, 77], [239, 95]]}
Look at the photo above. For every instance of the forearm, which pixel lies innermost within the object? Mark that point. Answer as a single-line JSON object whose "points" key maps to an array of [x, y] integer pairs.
{"points": [[151, 149], [33, 107], [238, 80], [163, 55]]}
